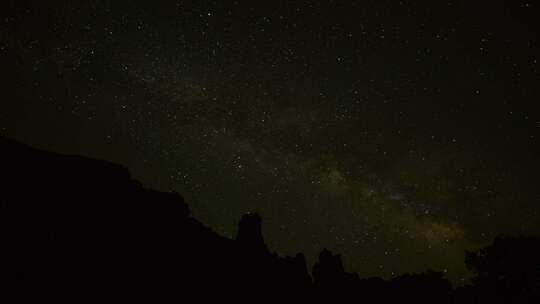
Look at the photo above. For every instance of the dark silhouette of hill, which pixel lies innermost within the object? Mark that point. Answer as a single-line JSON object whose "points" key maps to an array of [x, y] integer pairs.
{"points": [[78, 229]]}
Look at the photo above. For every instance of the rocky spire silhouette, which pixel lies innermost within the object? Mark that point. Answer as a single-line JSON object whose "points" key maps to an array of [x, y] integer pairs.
{"points": [[250, 232], [328, 269]]}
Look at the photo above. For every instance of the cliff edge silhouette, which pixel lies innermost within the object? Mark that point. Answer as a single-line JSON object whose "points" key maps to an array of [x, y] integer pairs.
{"points": [[78, 229]]}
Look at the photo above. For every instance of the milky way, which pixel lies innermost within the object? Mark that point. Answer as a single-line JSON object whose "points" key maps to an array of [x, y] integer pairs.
{"points": [[397, 133]]}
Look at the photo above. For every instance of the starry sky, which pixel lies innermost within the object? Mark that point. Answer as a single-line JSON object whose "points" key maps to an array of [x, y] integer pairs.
{"points": [[397, 133]]}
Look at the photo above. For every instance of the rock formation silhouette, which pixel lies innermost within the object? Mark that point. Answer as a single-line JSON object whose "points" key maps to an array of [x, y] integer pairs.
{"points": [[250, 232], [77, 229]]}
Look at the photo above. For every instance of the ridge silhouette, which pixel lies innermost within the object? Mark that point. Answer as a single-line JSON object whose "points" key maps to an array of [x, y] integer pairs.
{"points": [[78, 229]]}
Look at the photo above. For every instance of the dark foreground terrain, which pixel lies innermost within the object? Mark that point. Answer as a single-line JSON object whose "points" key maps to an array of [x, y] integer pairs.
{"points": [[77, 229]]}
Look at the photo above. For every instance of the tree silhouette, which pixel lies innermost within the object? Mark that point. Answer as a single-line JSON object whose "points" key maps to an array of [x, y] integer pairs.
{"points": [[508, 270]]}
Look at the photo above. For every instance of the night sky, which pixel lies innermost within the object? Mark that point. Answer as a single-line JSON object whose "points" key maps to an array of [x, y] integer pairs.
{"points": [[397, 133]]}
